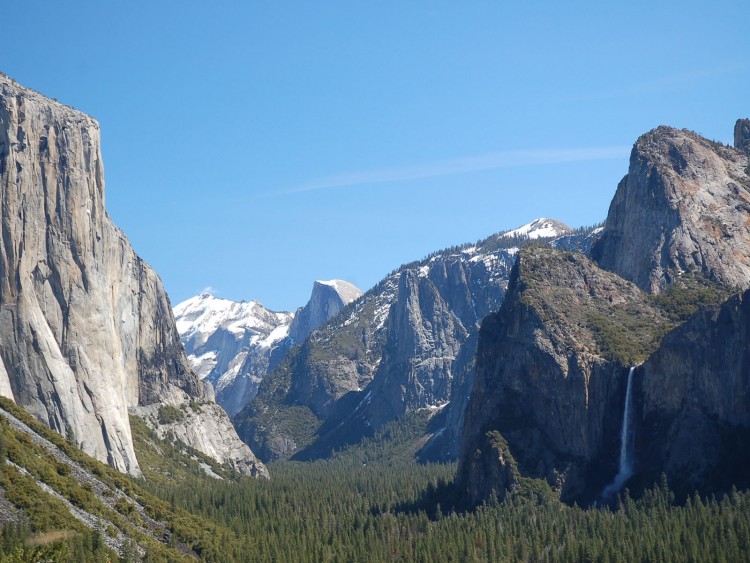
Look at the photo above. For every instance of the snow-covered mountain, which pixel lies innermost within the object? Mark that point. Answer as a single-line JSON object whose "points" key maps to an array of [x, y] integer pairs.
{"points": [[233, 345], [540, 228]]}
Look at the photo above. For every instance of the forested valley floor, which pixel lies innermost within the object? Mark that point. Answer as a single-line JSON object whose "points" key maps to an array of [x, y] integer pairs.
{"points": [[373, 503]]}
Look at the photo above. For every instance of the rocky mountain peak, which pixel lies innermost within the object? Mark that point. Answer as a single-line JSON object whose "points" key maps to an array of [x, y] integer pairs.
{"points": [[540, 228], [348, 292], [231, 344], [684, 206], [326, 300], [742, 135]]}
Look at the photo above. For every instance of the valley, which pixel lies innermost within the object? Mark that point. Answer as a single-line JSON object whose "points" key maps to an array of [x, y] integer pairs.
{"points": [[545, 393]]}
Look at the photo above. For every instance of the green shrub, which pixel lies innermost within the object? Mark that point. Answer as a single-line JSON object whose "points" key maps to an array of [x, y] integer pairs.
{"points": [[688, 293], [169, 414]]}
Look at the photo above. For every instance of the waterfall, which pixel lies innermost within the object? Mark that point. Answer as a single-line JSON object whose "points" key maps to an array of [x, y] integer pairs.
{"points": [[626, 443]]}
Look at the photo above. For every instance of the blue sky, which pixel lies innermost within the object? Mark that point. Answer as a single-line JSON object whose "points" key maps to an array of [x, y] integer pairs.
{"points": [[256, 146]]}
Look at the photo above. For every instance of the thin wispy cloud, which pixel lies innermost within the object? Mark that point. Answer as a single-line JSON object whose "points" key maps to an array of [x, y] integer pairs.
{"points": [[681, 79], [462, 165], [667, 82]]}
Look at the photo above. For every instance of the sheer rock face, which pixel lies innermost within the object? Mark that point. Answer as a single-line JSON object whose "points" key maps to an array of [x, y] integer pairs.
{"points": [[742, 135], [326, 300], [542, 380], [693, 402], [401, 347], [424, 336], [86, 329], [390, 352], [683, 206]]}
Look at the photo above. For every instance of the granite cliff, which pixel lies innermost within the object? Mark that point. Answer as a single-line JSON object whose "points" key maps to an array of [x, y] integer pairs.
{"points": [[551, 373], [549, 390], [398, 348], [86, 329], [326, 300], [683, 207]]}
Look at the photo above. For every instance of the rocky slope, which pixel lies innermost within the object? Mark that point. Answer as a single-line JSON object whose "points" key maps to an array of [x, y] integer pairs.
{"points": [[51, 486], [396, 349], [548, 397], [683, 207], [231, 344], [86, 329], [551, 374]]}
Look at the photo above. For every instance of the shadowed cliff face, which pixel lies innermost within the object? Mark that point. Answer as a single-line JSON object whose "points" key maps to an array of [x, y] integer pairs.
{"points": [[390, 352], [684, 206], [742, 135], [400, 347], [86, 329], [694, 402], [552, 363], [549, 379]]}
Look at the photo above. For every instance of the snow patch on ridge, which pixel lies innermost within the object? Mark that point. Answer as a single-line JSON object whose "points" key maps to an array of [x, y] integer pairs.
{"points": [[347, 291], [539, 228]]}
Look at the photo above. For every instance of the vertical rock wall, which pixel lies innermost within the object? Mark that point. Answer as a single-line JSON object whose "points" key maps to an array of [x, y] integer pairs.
{"points": [[86, 329], [684, 206]]}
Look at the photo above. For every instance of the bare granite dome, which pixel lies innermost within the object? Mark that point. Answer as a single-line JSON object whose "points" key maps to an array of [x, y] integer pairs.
{"points": [[684, 206]]}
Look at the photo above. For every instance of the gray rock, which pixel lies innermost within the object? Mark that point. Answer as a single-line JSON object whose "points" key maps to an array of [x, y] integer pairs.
{"points": [[326, 300], [206, 427], [548, 381], [86, 329], [684, 206], [742, 135]]}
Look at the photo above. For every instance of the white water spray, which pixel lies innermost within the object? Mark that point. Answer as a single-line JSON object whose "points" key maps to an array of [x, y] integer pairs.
{"points": [[626, 446]]}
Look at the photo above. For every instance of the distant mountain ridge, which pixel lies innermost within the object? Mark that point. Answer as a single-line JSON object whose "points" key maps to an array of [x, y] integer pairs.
{"points": [[395, 349], [233, 345]]}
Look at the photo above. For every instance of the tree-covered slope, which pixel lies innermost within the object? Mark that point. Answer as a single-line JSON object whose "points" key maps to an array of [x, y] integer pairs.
{"points": [[59, 504]]}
